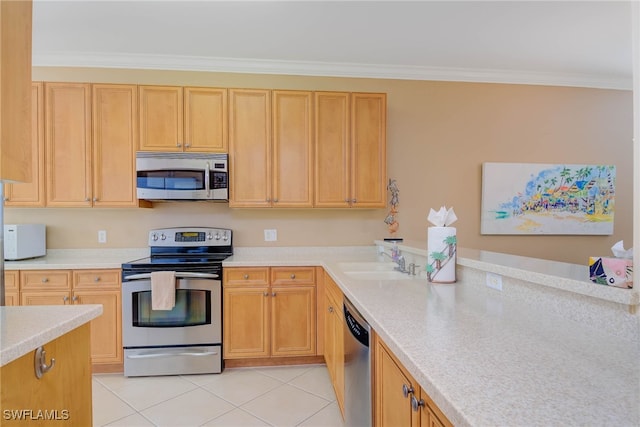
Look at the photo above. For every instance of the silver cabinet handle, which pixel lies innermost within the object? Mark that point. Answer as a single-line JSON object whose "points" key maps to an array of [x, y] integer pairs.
{"points": [[246, 276], [406, 390], [96, 279], [293, 276], [74, 298], [266, 294], [416, 404], [275, 200], [178, 144], [273, 294], [45, 279], [40, 363], [187, 144], [95, 199], [65, 298]]}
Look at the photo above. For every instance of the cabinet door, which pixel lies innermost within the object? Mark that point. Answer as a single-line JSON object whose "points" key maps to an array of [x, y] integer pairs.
{"points": [[115, 140], [250, 148], [292, 149], [334, 347], [11, 288], [68, 144], [332, 153], [161, 118], [246, 322], [368, 150], [32, 193], [65, 389], [205, 113], [15, 94], [45, 297], [106, 330], [293, 321], [391, 407]]}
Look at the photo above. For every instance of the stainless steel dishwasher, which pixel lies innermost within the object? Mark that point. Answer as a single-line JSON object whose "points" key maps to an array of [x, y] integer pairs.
{"points": [[357, 368]]}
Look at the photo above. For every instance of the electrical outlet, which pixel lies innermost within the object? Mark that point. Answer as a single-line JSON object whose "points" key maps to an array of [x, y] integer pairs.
{"points": [[102, 236], [270, 235], [494, 281]]}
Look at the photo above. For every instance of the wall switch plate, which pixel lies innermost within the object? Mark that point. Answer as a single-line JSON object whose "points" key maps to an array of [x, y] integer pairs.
{"points": [[270, 235], [102, 236], [494, 281]]}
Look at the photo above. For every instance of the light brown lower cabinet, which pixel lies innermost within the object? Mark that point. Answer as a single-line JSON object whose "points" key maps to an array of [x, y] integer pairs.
{"points": [[62, 287], [334, 338], [11, 288], [398, 399], [269, 312], [61, 396]]}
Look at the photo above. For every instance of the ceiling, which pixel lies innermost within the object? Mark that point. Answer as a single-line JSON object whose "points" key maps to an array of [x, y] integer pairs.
{"points": [[572, 43]]}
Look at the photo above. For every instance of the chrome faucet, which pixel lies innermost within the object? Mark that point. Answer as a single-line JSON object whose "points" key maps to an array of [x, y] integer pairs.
{"points": [[398, 259]]}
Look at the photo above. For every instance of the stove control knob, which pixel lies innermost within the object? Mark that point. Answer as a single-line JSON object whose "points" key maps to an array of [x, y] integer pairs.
{"points": [[154, 237], [225, 237], [163, 237], [217, 236], [209, 236]]}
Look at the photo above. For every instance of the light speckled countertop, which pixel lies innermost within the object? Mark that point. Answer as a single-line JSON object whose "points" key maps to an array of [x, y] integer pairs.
{"points": [[69, 259], [25, 328], [487, 359]]}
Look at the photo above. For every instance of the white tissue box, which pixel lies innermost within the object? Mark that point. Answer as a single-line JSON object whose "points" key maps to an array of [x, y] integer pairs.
{"points": [[611, 271]]}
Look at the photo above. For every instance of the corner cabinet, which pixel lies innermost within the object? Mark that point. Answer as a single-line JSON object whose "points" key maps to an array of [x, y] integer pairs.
{"points": [[350, 149], [398, 399], [32, 193], [269, 312], [177, 119]]}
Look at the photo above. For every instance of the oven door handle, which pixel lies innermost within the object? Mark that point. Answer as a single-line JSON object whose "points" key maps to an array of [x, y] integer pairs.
{"points": [[179, 275], [169, 354]]}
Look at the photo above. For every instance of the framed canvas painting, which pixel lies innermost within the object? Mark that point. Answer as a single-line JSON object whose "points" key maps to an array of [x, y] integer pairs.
{"points": [[532, 198]]}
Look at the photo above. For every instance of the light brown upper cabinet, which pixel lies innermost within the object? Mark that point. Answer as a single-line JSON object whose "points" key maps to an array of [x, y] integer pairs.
{"points": [[31, 193], [115, 138], [68, 144], [271, 148], [350, 149], [183, 119], [250, 148], [15, 90]]}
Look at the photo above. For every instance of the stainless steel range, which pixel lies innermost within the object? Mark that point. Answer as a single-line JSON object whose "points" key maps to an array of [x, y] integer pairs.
{"points": [[186, 339]]}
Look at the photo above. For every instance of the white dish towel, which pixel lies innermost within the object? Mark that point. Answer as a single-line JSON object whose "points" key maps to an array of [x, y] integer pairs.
{"points": [[163, 290]]}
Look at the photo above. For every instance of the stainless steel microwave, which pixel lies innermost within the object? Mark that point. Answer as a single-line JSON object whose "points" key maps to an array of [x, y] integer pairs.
{"points": [[182, 176]]}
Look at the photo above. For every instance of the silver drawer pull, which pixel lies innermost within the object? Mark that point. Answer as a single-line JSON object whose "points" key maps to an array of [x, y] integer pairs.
{"points": [[45, 279], [293, 276], [246, 276]]}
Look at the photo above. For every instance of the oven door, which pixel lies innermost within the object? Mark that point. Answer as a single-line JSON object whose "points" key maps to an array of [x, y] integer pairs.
{"points": [[196, 318]]}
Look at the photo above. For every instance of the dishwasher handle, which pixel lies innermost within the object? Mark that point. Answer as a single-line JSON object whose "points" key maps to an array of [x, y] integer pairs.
{"points": [[358, 327]]}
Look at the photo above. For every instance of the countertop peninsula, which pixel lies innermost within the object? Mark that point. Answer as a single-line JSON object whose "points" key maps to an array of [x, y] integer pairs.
{"points": [[550, 349], [25, 328]]}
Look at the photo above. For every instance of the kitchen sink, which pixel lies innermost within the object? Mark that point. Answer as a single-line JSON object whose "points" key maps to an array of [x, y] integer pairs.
{"points": [[365, 266], [378, 275]]}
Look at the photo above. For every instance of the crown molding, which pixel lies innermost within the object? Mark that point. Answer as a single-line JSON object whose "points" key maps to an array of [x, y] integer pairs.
{"points": [[325, 69]]}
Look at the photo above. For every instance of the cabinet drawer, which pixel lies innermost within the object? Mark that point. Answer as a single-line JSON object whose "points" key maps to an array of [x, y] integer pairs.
{"points": [[293, 275], [45, 279], [11, 280], [96, 279], [252, 276]]}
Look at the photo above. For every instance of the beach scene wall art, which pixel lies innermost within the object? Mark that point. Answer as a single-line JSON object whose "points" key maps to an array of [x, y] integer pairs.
{"points": [[532, 198]]}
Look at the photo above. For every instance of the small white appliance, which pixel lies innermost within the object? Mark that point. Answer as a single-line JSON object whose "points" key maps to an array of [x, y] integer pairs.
{"points": [[23, 241]]}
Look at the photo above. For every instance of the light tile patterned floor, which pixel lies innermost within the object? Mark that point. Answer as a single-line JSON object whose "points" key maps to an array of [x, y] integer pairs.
{"points": [[270, 396]]}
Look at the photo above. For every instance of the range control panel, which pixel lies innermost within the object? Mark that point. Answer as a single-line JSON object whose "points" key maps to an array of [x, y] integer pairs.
{"points": [[190, 236]]}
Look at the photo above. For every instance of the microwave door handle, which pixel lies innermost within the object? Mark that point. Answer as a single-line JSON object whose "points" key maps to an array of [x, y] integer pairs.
{"points": [[179, 275], [207, 177]]}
